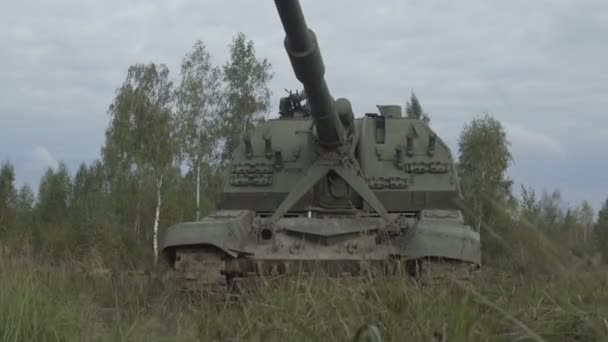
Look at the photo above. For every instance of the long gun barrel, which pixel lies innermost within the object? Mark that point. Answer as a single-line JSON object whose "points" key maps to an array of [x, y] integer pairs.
{"points": [[303, 51]]}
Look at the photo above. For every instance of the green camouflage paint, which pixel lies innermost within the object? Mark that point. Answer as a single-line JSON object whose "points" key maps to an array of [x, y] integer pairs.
{"points": [[319, 186]]}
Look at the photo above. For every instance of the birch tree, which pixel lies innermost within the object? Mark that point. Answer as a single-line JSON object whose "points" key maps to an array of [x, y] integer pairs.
{"points": [[529, 207], [601, 231], [140, 140], [585, 219], [25, 207], [54, 193], [551, 209], [162, 152], [247, 92], [484, 158], [199, 101], [413, 109], [8, 196]]}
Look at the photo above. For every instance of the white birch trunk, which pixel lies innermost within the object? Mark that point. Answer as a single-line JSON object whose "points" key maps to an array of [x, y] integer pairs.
{"points": [[585, 230], [159, 185], [138, 207], [198, 190]]}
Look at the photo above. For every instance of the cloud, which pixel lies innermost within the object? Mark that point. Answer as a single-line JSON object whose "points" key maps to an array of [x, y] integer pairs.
{"points": [[41, 159], [534, 65], [524, 140]]}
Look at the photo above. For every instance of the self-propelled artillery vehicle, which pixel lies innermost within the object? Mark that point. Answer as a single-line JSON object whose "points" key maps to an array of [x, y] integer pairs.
{"points": [[318, 189]]}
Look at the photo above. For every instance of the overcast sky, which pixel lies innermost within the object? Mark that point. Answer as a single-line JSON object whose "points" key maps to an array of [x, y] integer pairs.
{"points": [[540, 67]]}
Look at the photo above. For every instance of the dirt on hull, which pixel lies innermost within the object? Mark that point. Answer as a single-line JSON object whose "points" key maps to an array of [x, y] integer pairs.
{"points": [[207, 269]]}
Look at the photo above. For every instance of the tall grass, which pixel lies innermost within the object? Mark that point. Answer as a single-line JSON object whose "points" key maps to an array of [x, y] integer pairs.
{"points": [[530, 290], [60, 304]]}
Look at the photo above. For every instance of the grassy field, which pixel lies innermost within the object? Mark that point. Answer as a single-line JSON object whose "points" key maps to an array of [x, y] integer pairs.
{"points": [[41, 302]]}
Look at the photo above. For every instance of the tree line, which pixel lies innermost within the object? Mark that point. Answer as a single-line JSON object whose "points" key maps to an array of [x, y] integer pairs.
{"points": [[168, 142], [165, 138]]}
